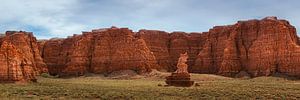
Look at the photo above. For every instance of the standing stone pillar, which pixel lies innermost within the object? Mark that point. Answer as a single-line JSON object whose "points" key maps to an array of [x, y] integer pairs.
{"points": [[181, 76]]}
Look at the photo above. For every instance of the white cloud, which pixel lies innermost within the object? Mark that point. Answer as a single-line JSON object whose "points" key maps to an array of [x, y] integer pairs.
{"points": [[50, 15], [61, 18]]}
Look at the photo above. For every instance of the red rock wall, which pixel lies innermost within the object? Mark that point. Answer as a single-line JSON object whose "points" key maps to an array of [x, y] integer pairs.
{"points": [[51, 55], [181, 42], [118, 49], [168, 46], [20, 58], [99, 51], [158, 43], [259, 47]]}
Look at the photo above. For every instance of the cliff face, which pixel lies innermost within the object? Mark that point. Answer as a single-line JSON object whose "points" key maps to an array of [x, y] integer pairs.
{"points": [[118, 49], [167, 47], [20, 58], [259, 47], [99, 51], [50, 51], [158, 43], [181, 42]]}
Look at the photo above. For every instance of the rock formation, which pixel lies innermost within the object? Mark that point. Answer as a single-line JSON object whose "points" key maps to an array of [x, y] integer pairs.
{"points": [[99, 51], [182, 67], [20, 58], [181, 76], [253, 47], [50, 51], [158, 43], [258, 47], [168, 46]]}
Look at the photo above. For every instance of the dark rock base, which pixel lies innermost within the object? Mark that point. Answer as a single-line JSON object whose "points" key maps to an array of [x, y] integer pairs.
{"points": [[180, 80]]}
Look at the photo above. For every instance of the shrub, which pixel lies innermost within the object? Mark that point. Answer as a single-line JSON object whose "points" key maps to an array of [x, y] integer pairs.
{"points": [[47, 75]]}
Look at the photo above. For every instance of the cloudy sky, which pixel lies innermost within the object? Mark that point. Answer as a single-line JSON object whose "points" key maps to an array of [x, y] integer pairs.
{"points": [[61, 18]]}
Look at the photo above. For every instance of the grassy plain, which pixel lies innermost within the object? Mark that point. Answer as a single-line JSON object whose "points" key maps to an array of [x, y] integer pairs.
{"points": [[99, 87]]}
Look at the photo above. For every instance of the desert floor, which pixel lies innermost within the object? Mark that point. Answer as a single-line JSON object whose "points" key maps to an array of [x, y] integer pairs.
{"points": [[152, 87]]}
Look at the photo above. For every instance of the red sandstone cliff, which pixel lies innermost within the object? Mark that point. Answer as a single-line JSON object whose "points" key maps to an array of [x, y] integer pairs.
{"points": [[158, 43], [99, 51], [167, 47], [20, 58], [259, 47]]}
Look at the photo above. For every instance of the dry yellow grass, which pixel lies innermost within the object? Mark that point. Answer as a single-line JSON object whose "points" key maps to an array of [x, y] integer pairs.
{"points": [[99, 87]]}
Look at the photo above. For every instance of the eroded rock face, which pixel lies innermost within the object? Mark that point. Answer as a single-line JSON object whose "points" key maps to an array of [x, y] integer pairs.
{"points": [[168, 46], [99, 51], [20, 58], [159, 43], [50, 51], [118, 49], [259, 47], [181, 42]]}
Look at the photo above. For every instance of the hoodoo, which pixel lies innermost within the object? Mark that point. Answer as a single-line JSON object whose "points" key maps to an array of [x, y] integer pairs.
{"points": [[181, 76]]}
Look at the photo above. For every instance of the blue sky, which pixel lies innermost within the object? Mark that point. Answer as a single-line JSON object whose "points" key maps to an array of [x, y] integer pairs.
{"points": [[61, 18]]}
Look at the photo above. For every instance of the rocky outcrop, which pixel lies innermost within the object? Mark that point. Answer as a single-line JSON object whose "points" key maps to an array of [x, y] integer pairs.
{"points": [[258, 47], [118, 49], [99, 51], [255, 47], [20, 58], [181, 76]]}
